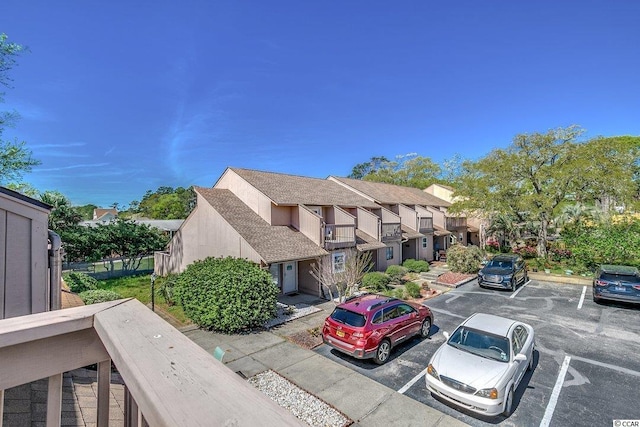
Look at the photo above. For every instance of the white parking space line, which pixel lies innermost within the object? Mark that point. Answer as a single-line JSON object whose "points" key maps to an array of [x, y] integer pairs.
{"points": [[584, 291], [453, 298], [513, 295], [415, 379], [553, 400]]}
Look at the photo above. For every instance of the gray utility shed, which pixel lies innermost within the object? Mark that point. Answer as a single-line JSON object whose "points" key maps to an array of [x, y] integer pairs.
{"points": [[25, 279]]}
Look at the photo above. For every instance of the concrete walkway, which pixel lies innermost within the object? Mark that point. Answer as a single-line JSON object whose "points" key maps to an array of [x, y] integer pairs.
{"points": [[363, 400]]}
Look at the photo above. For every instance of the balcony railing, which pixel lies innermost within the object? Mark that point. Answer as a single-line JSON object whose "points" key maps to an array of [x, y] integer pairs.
{"points": [[456, 222], [425, 225], [338, 236], [170, 380], [391, 232]]}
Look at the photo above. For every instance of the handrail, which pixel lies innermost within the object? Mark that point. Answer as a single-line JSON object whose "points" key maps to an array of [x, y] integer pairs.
{"points": [[172, 380]]}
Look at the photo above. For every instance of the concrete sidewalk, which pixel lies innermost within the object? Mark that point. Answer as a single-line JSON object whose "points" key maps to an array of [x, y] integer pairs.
{"points": [[363, 400]]}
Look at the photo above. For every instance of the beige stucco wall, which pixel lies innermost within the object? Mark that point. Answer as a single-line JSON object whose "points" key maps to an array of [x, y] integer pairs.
{"points": [[409, 217], [310, 225], [383, 263], [426, 253], [207, 235], [440, 192], [369, 223], [249, 195], [24, 277], [281, 215]]}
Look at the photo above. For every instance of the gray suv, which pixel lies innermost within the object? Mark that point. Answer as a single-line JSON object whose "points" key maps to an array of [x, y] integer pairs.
{"points": [[616, 283], [504, 271]]}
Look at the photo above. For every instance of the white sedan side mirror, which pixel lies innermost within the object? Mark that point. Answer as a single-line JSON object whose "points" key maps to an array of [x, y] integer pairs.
{"points": [[520, 357]]}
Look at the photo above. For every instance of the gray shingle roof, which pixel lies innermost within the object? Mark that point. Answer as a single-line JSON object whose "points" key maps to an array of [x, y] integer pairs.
{"points": [[273, 243], [286, 189], [408, 233], [393, 194], [364, 242]]}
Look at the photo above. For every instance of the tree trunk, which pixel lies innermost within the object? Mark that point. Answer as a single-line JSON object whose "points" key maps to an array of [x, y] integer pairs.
{"points": [[542, 236]]}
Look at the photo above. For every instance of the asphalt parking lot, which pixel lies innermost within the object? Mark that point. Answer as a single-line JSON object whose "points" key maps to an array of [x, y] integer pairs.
{"points": [[587, 363]]}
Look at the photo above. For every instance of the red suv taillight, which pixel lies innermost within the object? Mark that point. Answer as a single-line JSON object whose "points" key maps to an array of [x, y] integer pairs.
{"points": [[362, 334]]}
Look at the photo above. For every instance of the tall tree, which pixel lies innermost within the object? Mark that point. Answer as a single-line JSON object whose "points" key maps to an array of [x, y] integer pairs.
{"points": [[15, 158], [63, 217], [539, 171]]}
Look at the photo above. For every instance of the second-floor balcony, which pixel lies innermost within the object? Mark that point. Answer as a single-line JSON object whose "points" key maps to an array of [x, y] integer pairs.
{"points": [[425, 225], [169, 380], [454, 223], [391, 232], [337, 236]]}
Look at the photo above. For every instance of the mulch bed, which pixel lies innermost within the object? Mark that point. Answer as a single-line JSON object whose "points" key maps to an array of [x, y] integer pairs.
{"points": [[451, 278], [306, 339]]}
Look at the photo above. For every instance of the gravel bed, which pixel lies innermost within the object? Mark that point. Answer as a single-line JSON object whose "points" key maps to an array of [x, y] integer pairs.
{"points": [[290, 312], [303, 405]]}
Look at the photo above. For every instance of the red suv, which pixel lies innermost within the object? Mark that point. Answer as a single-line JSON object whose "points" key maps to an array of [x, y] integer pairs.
{"points": [[368, 326]]}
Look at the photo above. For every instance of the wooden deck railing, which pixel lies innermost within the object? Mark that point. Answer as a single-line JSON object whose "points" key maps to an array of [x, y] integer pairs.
{"points": [[171, 380], [338, 236], [456, 222], [391, 232]]}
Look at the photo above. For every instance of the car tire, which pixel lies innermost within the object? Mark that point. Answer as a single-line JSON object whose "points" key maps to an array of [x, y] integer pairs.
{"points": [[425, 328], [383, 352], [526, 278], [508, 404], [514, 285]]}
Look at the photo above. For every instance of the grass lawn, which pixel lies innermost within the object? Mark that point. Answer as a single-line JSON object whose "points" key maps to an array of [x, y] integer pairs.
{"points": [[139, 287]]}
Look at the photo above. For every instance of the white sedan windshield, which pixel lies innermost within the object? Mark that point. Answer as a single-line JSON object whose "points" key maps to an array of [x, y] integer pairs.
{"points": [[481, 343]]}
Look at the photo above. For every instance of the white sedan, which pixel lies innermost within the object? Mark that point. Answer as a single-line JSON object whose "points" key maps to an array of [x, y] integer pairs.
{"points": [[481, 364]]}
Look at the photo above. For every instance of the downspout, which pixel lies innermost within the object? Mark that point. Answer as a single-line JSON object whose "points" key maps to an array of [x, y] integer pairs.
{"points": [[55, 271]]}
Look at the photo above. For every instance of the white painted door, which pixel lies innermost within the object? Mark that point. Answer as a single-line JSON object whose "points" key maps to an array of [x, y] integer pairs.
{"points": [[290, 277]]}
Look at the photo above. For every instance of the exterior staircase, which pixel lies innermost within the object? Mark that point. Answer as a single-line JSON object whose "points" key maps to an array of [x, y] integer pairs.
{"points": [[435, 270]]}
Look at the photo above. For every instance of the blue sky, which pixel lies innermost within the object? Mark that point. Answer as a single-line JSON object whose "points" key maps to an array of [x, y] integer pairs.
{"points": [[121, 97]]}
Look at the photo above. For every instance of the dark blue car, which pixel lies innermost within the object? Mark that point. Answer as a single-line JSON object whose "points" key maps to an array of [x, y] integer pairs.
{"points": [[616, 283], [505, 271]]}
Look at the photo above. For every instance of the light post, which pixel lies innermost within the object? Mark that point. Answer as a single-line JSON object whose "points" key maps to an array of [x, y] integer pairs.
{"points": [[153, 292]]}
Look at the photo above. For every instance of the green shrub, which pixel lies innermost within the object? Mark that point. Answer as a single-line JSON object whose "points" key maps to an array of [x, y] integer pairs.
{"points": [[165, 286], [416, 266], [80, 282], [376, 281], [226, 294], [412, 289], [399, 293], [94, 296], [396, 272], [464, 259]]}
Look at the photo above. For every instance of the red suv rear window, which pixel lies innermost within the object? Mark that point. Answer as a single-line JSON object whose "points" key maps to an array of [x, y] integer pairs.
{"points": [[347, 317]]}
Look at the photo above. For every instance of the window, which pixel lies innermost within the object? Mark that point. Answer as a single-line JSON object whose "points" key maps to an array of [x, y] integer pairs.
{"points": [[389, 252], [424, 242], [519, 338], [337, 260], [377, 318], [404, 309]]}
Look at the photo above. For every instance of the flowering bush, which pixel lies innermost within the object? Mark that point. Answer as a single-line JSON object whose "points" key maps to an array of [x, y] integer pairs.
{"points": [[493, 245], [526, 251], [558, 254]]}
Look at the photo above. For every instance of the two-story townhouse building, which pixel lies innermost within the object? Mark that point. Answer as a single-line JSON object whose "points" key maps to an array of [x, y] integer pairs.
{"points": [[422, 215], [282, 222], [469, 230]]}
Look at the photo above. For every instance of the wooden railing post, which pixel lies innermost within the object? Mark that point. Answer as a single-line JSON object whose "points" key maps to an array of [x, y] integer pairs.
{"points": [[54, 401], [104, 382], [1, 406]]}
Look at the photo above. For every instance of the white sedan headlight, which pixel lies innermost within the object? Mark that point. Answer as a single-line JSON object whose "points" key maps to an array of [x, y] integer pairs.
{"points": [[489, 393], [432, 371]]}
